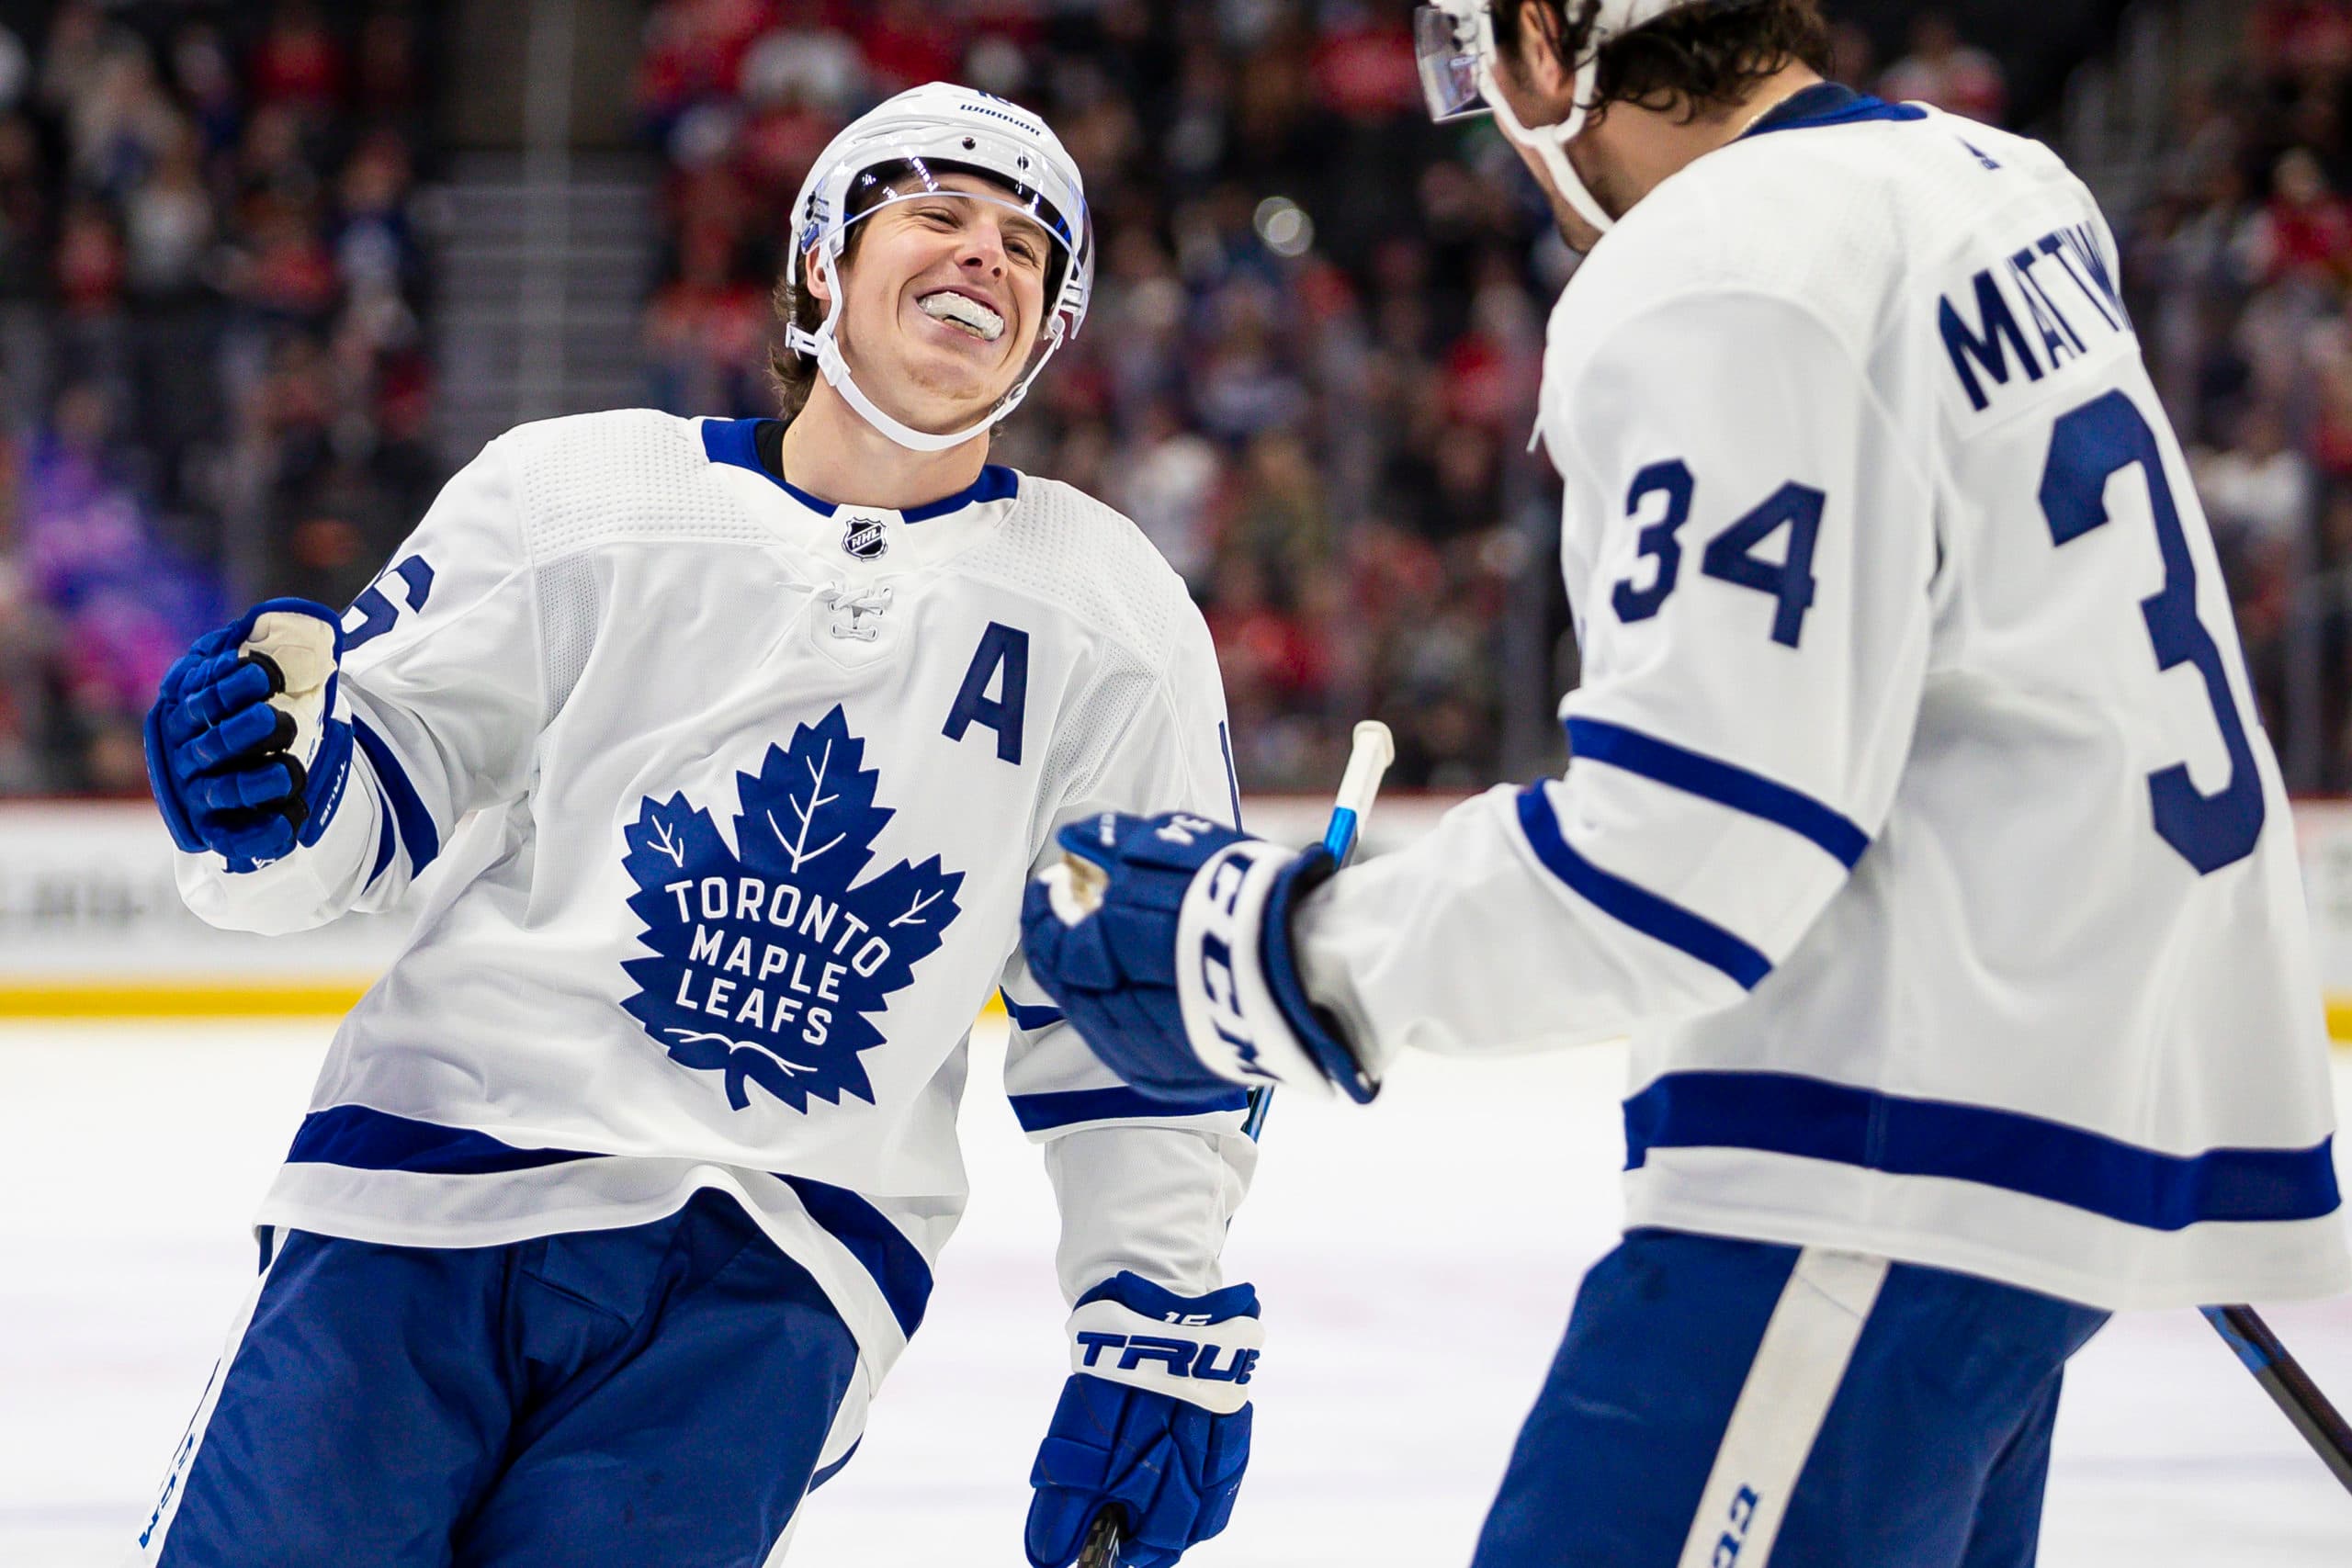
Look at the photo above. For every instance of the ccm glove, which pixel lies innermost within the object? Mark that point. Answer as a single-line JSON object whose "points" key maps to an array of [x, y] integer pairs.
{"points": [[1154, 1421], [246, 754], [1183, 979]]}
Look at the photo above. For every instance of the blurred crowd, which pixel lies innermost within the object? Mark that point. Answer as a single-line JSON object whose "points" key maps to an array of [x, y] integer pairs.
{"points": [[1310, 368], [1309, 371], [2238, 271], [212, 385]]}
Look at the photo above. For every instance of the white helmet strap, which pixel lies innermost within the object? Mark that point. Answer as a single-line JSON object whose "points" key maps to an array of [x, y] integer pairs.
{"points": [[824, 346], [1548, 143]]}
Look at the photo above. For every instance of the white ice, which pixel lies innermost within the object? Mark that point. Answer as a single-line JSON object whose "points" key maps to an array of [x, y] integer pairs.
{"points": [[1416, 1261]]}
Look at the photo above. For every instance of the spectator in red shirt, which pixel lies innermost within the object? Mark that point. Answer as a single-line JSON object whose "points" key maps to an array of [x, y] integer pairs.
{"points": [[297, 61], [2304, 235]]}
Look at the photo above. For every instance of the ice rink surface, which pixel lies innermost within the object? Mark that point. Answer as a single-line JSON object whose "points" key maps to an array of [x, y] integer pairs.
{"points": [[1417, 1260]]}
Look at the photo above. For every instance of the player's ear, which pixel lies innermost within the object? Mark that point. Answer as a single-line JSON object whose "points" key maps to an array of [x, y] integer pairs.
{"points": [[818, 280], [1542, 55]]}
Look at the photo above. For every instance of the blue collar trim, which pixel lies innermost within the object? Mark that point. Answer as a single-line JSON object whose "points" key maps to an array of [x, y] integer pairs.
{"points": [[736, 442], [1827, 102]]}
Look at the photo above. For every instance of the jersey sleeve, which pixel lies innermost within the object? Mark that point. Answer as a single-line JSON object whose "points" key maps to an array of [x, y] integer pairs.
{"points": [[441, 681], [1755, 627], [1142, 1185]]}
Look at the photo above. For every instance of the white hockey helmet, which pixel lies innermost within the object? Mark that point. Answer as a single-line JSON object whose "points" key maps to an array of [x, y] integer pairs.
{"points": [[913, 138], [1455, 40]]}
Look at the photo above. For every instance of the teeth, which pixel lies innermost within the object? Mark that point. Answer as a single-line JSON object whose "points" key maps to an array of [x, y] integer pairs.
{"points": [[965, 312]]}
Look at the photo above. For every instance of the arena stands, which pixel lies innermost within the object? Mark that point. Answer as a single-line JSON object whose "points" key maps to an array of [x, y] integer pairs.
{"points": [[1309, 372], [214, 386]]}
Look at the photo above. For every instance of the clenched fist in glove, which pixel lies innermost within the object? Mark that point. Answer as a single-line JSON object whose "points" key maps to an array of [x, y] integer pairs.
{"points": [[1183, 977], [246, 752], [1154, 1421]]}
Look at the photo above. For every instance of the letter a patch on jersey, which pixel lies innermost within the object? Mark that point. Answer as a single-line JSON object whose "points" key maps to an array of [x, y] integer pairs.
{"points": [[772, 957], [1002, 661]]}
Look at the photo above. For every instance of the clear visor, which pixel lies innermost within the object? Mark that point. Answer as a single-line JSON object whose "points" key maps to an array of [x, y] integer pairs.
{"points": [[916, 176], [1447, 49]]}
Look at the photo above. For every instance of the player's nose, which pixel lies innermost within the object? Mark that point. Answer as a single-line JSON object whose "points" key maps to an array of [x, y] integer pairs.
{"points": [[983, 250]]}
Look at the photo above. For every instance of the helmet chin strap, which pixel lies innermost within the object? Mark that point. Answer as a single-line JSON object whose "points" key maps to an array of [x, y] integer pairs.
{"points": [[1548, 143], [824, 346]]}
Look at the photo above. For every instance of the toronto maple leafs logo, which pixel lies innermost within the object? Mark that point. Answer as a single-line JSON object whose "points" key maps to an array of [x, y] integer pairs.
{"points": [[771, 958]]}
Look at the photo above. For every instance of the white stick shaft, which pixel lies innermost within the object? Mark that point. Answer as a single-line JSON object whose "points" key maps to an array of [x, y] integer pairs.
{"points": [[1368, 762]]}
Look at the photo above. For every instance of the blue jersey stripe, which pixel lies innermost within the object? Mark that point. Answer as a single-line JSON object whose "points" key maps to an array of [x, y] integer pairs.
{"points": [[1041, 1112], [363, 1138], [835, 1468], [1636, 907], [1025, 1016], [366, 1139], [1595, 740], [386, 842], [1788, 1114], [422, 838], [882, 1249]]}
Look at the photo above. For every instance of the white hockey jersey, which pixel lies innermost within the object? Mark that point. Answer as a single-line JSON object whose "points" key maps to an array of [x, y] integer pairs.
{"points": [[742, 789], [1920, 829]]}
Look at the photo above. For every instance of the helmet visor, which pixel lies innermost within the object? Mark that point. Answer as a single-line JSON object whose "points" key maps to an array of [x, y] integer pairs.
{"points": [[914, 177], [1446, 45], [903, 179]]}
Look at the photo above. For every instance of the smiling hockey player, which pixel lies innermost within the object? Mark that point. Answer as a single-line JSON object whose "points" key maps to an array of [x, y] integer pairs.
{"points": [[621, 1191], [1919, 830]]}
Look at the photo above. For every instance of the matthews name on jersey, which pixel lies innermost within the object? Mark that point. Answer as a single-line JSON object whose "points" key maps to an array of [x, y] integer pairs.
{"points": [[739, 791], [1920, 829]]}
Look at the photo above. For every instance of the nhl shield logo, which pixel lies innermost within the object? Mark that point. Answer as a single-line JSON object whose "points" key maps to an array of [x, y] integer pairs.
{"points": [[865, 537]]}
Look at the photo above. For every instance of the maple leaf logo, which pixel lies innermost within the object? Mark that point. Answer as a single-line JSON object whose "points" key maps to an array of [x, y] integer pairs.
{"points": [[772, 957]]}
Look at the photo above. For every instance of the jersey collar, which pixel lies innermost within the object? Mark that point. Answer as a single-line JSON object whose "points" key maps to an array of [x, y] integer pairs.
{"points": [[1827, 102], [755, 443]]}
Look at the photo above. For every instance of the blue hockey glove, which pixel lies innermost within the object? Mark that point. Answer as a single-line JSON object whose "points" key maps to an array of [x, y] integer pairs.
{"points": [[1154, 1421], [245, 751], [1183, 979]]}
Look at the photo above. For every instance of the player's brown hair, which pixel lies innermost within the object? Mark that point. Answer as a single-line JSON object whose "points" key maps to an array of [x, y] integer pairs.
{"points": [[1700, 57], [791, 376]]}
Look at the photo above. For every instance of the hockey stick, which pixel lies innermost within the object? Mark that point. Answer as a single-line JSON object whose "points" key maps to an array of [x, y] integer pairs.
{"points": [[1370, 751], [2289, 1387], [1369, 754], [1103, 1542]]}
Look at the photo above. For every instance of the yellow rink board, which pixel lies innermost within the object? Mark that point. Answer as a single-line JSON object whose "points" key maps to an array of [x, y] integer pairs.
{"points": [[124, 998]]}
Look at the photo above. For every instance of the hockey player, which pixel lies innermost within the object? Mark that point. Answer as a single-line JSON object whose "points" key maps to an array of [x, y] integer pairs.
{"points": [[1919, 832], [621, 1191]]}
